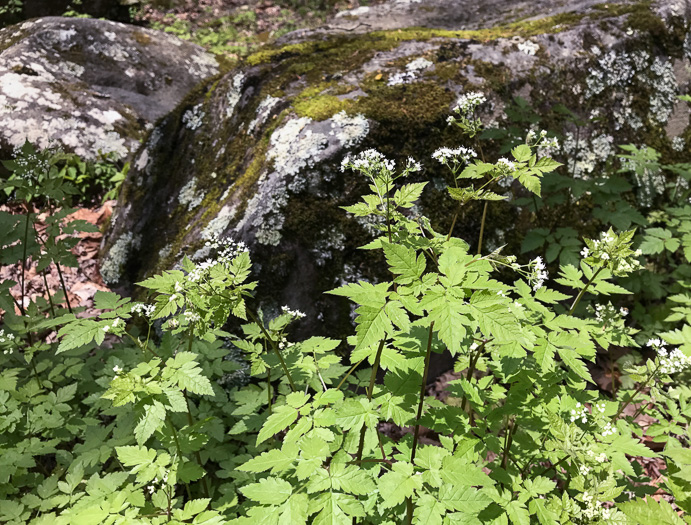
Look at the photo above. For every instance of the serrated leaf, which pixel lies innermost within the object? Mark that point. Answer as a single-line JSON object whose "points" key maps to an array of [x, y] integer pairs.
{"points": [[573, 361], [282, 418], [650, 512], [152, 420], [268, 491]]}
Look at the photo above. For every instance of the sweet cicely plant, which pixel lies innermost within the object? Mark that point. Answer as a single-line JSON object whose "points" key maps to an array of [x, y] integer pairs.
{"points": [[166, 429]]}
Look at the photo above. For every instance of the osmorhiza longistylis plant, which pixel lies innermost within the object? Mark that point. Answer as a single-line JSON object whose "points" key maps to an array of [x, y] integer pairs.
{"points": [[157, 412]]}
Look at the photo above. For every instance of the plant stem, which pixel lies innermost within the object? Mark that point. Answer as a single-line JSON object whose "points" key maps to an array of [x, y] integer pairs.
{"points": [[508, 441], [50, 297], [64, 287], [423, 387], [638, 391], [26, 240], [370, 390], [471, 368], [255, 319], [584, 289], [177, 446], [352, 368], [482, 228], [268, 386], [190, 421]]}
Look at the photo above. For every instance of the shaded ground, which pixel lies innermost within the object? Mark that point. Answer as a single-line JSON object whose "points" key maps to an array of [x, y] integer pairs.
{"points": [[238, 27]]}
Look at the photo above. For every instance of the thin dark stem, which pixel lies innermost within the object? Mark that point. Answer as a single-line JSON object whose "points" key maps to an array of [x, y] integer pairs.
{"points": [[64, 287], [268, 386], [190, 421], [482, 227], [455, 218], [177, 446], [352, 368], [50, 297], [508, 441], [638, 391], [545, 471], [274, 347], [24, 246], [370, 390], [471, 368], [584, 289], [423, 388]]}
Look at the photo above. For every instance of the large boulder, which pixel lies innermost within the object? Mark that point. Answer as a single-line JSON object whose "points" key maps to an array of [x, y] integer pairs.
{"points": [[91, 85], [256, 155]]}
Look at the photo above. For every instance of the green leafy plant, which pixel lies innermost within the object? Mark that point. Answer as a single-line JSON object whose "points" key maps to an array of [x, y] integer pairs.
{"points": [[142, 412]]}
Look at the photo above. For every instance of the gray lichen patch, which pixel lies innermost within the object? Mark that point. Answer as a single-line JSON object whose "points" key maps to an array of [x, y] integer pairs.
{"points": [[91, 85]]}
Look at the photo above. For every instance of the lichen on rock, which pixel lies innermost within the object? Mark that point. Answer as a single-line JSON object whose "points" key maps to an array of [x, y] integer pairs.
{"points": [[91, 86]]}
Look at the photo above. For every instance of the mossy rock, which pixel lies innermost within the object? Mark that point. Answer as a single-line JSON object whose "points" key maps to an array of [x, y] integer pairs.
{"points": [[256, 155], [91, 85]]}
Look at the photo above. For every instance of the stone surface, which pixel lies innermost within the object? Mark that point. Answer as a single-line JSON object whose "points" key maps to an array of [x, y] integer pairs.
{"points": [[256, 155], [90, 85]]}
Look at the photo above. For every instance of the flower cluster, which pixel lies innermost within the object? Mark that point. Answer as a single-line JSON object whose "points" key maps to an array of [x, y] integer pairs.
{"points": [[412, 165], [593, 510], [608, 314], [143, 309], [456, 156], [369, 159], [5, 338], [117, 370], [538, 274], [297, 314], [227, 249], [466, 104], [612, 251], [671, 361], [541, 139], [191, 317], [506, 166], [152, 488], [116, 324], [580, 412]]}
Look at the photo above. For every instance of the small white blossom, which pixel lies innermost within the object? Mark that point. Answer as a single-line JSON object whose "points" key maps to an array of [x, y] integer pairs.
{"points": [[506, 165], [293, 313], [460, 154], [117, 369], [467, 103]]}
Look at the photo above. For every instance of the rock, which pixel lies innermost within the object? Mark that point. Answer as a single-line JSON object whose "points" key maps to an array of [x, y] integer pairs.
{"points": [[90, 85], [256, 155]]}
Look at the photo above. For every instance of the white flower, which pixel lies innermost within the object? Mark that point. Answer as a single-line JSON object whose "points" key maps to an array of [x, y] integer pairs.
{"points": [[584, 252], [460, 154], [293, 313], [506, 165], [117, 369], [467, 103]]}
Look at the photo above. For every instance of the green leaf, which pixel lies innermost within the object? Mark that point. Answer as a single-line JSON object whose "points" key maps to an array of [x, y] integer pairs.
{"points": [[404, 262], [282, 418], [399, 484], [462, 498], [521, 153], [428, 511], [518, 513], [650, 512], [133, 456], [458, 471], [269, 491], [276, 460], [153, 419], [544, 515], [573, 361]]}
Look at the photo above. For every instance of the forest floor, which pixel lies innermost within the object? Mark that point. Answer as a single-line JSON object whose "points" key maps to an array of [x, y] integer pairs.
{"points": [[236, 28]]}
